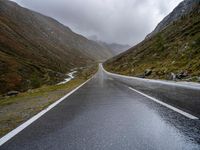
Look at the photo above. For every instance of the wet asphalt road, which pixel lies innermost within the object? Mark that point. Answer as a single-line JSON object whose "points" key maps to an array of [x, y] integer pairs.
{"points": [[106, 114]]}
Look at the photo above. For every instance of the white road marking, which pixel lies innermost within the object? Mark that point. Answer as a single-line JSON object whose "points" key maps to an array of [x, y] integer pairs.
{"points": [[190, 85], [166, 105], [14, 132]]}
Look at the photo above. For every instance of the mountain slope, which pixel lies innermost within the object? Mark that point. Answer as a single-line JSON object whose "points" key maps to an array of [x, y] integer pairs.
{"points": [[175, 51], [184, 8], [114, 47], [36, 50]]}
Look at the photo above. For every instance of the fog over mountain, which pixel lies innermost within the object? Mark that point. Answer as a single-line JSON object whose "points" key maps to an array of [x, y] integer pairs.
{"points": [[112, 21]]}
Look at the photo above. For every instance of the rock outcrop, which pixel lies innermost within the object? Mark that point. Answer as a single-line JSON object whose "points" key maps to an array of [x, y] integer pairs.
{"points": [[182, 9]]}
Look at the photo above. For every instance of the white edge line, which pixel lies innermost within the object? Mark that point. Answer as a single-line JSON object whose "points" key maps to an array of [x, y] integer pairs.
{"points": [[166, 105], [179, 84], [152, 98], [15, 131]]}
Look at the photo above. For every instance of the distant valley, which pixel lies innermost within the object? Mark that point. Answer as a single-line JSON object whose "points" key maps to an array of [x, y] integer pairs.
{"points": [[115, 48], [37, 50]]}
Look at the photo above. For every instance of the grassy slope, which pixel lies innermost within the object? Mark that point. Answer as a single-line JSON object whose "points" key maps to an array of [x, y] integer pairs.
{"points": [[35, 49], [15, 110], [175, 49]]}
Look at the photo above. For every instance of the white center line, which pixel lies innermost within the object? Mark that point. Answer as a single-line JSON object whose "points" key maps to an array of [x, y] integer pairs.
{"points": [[166, 105]]}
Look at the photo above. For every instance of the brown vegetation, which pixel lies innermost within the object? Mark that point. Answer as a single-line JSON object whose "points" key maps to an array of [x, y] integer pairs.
{"points": [[176, 49]]}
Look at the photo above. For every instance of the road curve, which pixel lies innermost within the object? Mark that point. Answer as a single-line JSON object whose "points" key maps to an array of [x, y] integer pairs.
{"points": [[107, 115], [182, 95]]}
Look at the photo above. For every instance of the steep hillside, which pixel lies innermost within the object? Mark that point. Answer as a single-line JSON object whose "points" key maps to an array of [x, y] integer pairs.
{"points": [[37, 50], [173, 53], [184, 8]]}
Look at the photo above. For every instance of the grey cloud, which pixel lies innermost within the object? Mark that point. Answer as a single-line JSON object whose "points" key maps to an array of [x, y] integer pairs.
{"points": [[121, 21]]}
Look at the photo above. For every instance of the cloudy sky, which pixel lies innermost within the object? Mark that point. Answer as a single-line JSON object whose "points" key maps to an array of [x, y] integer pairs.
{"points": [[120, 21]]}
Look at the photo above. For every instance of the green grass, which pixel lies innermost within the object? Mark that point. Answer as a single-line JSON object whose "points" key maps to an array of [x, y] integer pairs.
{"points": [[31, 56], [175, 49], [17, 109]]}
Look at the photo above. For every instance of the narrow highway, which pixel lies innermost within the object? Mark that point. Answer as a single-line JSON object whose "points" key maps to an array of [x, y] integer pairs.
{"points": [[107, 115]]}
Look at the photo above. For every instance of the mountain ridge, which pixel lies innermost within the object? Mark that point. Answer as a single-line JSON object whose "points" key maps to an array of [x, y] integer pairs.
{"points": [[182, 9], [114, 47], [36, 49], [171, 54]]}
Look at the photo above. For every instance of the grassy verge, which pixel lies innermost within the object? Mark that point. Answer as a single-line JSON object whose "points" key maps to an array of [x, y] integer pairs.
{"points": [[15, 110]]}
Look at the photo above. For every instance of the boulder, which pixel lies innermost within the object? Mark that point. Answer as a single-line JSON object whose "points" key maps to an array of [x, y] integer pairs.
{"points": [[147, 72], [182, 75], [172, 76], [12, 93]]}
